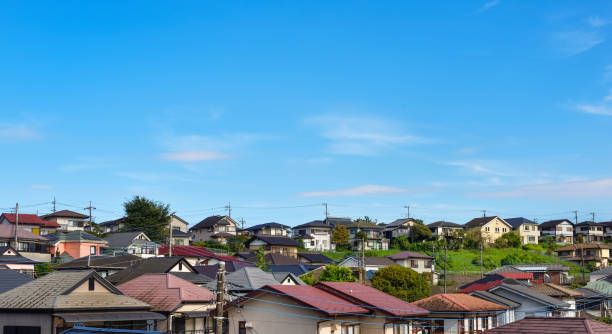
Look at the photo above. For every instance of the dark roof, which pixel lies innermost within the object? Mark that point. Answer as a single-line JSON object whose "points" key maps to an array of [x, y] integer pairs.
{"points": [[73, 236], [553, 223], [180, 234], [230, 267], [275, 241], [409, 255], [378, 261], [146, 266], [532, 293], [399, 222], [92, 330], [194, 278], [112, 222], [249, 278], [365, 226], [604, 271], [338, 220], [272, 258], [316, 257], [494, 298], [315, 223], [587, 223], [296, 269], [444, 224], [590, 293], [121, 239], [100, 261], [212, 221], [261, 226], [516, 222], [480, 221], [485, 283], [65, 214], [10, 279], [16, 259], [553, 325]]}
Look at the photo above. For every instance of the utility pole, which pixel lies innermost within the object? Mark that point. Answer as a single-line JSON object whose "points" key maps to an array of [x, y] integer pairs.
{"points": [[16, 225], [170, 237], [582, 260], [433, 262], [575, 216], [325, 205], [481, 271], [445, 262], [90, 213], [484, 213], [229, 209], [220, 297], [54, 202], [593, 217], [363, 264], [242, 222], [407, 207]]}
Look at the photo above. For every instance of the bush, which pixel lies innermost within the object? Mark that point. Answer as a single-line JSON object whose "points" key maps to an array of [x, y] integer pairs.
{"points": [[403, 283], [308, 279], [334, 273], [508, 240]]}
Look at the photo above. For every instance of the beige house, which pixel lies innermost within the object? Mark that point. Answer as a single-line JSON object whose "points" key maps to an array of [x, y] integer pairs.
{"points": [[214, 228], [597, 254], [68, 220], [180, 234], [281, 245], [528, 230], [491, 227]]}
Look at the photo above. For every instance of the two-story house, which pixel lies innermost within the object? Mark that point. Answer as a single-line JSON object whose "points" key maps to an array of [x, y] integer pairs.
{"points": [[74, 244], [29, 222], [421, 263], [589, 232], [68, 220], [562, 230], [441, 229], [607, 229], [526, 229], [214, 228], [316, 235], [180, 233], [491, 227], [30, 245], [273, 244], [136, 243], [597, 254], [397, 228], [374, 237], [272, 229], [111, 226]]}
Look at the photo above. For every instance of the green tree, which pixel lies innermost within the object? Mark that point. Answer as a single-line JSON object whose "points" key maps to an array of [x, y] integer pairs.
{"points": [[341, 237], [261, 262], [473, 239], [150, 217], [401, 242], [403, 283], [419, 232], [334, 273], [508, 240], [365, 220]]}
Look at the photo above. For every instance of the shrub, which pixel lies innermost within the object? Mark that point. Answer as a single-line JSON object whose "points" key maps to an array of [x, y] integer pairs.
{"points": [[334, 273], [403, 283]]}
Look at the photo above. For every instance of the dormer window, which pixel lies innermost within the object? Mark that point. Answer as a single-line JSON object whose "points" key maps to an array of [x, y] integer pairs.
{"points": [[92, 284]]}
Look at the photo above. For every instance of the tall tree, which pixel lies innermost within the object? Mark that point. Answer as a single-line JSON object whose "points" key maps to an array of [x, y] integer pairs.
{"points": [[340, 237], [334, 273], [403, 283], [143, 214]]}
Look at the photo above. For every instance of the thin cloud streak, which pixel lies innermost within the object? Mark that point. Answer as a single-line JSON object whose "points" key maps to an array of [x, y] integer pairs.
{"points": [[356, 191], [488, 6], [601, 188], [193, 156], [9, 131], [578, 41]]}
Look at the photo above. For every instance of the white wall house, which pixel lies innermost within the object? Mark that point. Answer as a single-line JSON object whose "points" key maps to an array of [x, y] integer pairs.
{"points": [[316, 235]]}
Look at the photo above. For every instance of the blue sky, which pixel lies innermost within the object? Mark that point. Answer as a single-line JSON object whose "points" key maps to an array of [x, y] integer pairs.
{"points": [[277, 107]]}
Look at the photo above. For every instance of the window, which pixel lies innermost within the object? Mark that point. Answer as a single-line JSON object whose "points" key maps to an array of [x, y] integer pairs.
{"points": [[526, 227], [21, 330], [180, 266], [414, 264], [92, 284], [350, 329], [497, 229], [241, 327], [92, 250], [487, 229], [504, 230], [569, 229], [531, 238]]}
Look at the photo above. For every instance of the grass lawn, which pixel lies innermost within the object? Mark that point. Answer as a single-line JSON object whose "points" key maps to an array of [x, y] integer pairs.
{"points": [[336, 256]]}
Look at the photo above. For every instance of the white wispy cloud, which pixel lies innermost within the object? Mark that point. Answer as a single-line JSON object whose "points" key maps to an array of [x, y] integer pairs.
{"points": [[42, 186], [194, 156], [12, 131], [601, 188], [596, 21], [488, 5], [87, 163], [476, 167], [578, 41], [604, 107], [364, 190], [352, 135]]}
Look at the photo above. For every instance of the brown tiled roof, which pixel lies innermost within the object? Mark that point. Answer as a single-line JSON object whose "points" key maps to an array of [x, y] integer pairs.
{"points": [[555, 290], [553, 325], [457, 302], [378, 261], [481, 221], [409, 255], [65, 214], [585, 246]]}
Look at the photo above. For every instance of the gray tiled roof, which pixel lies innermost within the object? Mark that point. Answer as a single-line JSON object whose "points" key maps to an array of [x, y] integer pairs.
{"points": [[121, 239], [10, 279], [516, 222], [604, 271], [494, 298], [281, 276], [250, 278], [521, 289], [100, 261], [146, 266]]}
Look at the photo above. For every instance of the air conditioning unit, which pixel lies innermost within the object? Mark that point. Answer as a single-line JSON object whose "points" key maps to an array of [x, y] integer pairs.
{"points": [[248, 324]]}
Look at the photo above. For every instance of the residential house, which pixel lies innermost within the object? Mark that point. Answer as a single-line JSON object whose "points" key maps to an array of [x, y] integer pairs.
{"points": [[330, 307], [562, 230], [296, 269], [195, 255], [603, 285], [526, 229], [214, 228], [247, 279], [11, 259], [460, 313], [269, 229], [491, 227], [180, 232], [283, 245], [502, 318], [540, 273], [175, 265], [371, 263], [30, 245], [68, 220], [137, 243], [10, 279], [230, 266], [375, 239], [286, 278], [441, 229], [29, 222], [316, 235], [335, 221], [112, 226], [594, 303], [607, 230], [546, 325], [599, 274], [564, 294], [270, 258], [597, 255], [589, 232], [104, 265], [74, 244], [314, 258], [185, 306], [398, 228], [63, 299], [533, 302], [421, 263]]}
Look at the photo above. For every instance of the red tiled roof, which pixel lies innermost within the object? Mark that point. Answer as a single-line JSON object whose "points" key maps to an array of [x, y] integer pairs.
{"points": [[313, 297], [553, 325], [30, 219], [164, 292], [367, 295], [457, 302], [481, 286], [195, 251], [8, 231], [517, 275]]}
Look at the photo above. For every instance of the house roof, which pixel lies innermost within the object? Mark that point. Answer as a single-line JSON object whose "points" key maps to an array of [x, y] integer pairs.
{"points": [[587, 223], [494, 298], [53, 292], [554, 290], [530, 293], [315, 223], [444, 224], [250, 278], [552, 325], [517, 222], [458, 302], [518, 276], [296, 269], [275, 241], [338, 220], [121, 239], [13, 259], [10, 279], [504, 269], [165, 292], [315, 257], [180, 219], [399, 222], [603, 271], [272, 258], [100, 261], [366, 295], [65, 214], [602, 285], [365, 226], [585, 246], [409, 255], [317, 299], [8, 231], [29, 219], [78, 236], [280, 276], [113, 222], [480, 221], [271, 224], [230, 267], [212, 221], [194, 251], [484, 283], [146, 266], [553, 223], [378, 261], [590, 293], [539, 266], [180, 234]]}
